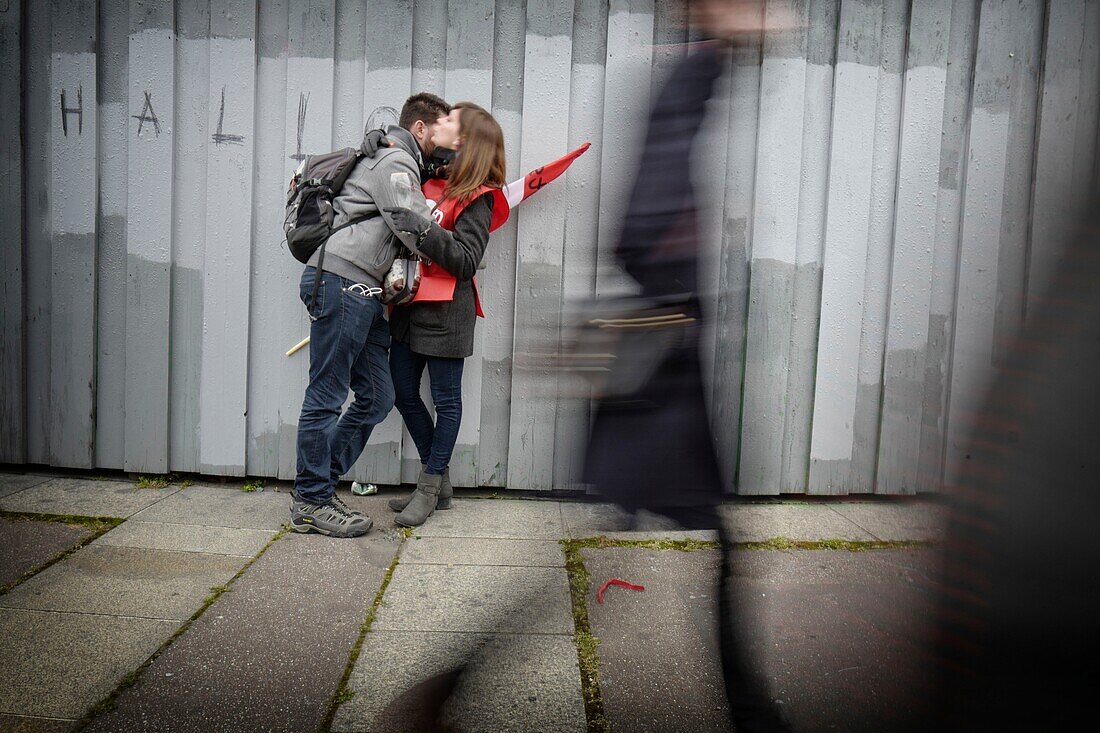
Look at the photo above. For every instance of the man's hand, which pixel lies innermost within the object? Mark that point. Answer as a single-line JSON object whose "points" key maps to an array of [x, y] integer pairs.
{"points": [[405, 220], [372, 141]]}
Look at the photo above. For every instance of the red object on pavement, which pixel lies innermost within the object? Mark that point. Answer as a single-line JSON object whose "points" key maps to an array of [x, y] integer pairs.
{"points": [[616, 581]]}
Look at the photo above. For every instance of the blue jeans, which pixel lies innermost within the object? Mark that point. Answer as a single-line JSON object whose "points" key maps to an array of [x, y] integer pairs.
{"points": [[348, 342], [434, 441]]}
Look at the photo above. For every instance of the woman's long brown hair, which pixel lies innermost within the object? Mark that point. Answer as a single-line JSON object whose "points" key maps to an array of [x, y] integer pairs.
{"points": [[480, 161]]}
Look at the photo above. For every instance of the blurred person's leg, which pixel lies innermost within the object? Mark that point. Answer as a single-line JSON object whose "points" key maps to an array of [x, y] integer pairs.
{"points": [[747, 694]]}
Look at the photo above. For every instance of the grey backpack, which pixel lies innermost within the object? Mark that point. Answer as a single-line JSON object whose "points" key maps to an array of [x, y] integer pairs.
{"points": [[309, 210]]}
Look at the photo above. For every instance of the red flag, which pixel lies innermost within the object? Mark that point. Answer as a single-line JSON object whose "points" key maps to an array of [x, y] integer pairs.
{"points": [[519, 190]]}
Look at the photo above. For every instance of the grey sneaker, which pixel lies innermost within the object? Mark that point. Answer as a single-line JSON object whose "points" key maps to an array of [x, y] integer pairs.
{"points": [[332, 519], [341, 505]]}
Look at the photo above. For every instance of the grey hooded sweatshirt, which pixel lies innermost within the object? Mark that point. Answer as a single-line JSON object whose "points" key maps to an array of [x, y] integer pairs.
{"points": [[365, 251]]}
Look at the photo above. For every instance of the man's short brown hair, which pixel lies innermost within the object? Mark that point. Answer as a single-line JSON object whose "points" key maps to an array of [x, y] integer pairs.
{"points": [[425, 107]]}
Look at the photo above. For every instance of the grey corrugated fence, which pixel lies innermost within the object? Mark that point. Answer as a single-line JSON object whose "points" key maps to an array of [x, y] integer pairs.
{"points": [[888, 186]]}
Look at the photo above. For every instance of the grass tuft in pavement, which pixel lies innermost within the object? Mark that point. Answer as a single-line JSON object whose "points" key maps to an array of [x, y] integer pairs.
{"points": [[785, 543], [587, 645], [603, 542]]}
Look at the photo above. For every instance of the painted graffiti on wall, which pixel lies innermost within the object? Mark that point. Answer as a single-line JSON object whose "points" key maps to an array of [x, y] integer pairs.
{"points": [[78, 110], [220, 137], [147, 114]]}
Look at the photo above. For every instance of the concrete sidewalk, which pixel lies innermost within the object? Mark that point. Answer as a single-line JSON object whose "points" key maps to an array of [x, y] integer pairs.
{"points": [[190, 608]]}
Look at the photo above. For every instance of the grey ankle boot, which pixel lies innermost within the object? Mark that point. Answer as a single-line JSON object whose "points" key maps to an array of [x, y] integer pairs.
{"points": [[423, 501], [446, 491]]}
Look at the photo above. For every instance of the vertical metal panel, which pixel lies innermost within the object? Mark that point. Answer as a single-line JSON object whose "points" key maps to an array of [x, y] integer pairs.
{"points": [[148, 234], [72, 230], [783, 89], [498, 284], [41, 110], [547, 75], [879, 247], [1066, 141], [429, 46], [962, 47], [224, 383], [821, 44], [627, 83], [307, 130], [920, 149], [387, 79], [271, 416], [348, 75], [732, 304], [189, 226], [112, 76], [997, 185], [847, 241], [582, 183], [429, 60], [469, 78], [13, 444]]}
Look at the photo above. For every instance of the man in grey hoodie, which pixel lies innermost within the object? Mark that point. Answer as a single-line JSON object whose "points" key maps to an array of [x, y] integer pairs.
{"points": [[349, 336]]}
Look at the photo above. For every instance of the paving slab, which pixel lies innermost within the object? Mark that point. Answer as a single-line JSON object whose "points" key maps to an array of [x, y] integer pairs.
{"points": [[480, 551], [186, 538], [85, 497], [759, 522], [476, 599], [896, 520], [28, 544], [513, 682], [659, 662], [10, 483], [126, 581], [268, 655], [227, 506], [499, 518], [840, 635], [28, 724], [57, 665], [587, 519]]}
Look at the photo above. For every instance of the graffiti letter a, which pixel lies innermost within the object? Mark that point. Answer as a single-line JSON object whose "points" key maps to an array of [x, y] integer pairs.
{"points": [[147, 115]]}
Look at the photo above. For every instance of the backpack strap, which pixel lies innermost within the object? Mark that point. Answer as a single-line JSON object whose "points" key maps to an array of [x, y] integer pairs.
{"points": [[321, 259]]}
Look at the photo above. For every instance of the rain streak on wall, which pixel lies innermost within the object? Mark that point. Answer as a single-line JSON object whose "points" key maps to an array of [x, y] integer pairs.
{"points": [[886, 188]]}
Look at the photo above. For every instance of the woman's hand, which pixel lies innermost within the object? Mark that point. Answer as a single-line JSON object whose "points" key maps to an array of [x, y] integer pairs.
{"points": [[405, 220]]}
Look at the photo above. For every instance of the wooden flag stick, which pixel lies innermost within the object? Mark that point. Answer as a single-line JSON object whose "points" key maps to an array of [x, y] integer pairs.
{"points": [[297, 346]]}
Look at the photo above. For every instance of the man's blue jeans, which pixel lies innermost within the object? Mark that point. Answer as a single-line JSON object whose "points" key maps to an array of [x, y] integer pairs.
{"points": [[435, 442], [348, 342]]}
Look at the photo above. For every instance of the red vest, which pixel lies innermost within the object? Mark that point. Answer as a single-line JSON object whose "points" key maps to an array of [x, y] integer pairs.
{"points": [[437, 284]]}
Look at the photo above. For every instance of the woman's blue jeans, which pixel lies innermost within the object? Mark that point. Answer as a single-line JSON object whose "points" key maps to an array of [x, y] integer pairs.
{"points": [[435, 441]]}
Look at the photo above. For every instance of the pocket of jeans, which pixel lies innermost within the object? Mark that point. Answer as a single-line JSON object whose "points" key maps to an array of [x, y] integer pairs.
{"points": [[307, 295]]}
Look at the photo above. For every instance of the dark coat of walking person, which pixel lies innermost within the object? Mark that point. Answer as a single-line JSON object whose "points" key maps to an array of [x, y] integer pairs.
{"points": [[653, 448]]}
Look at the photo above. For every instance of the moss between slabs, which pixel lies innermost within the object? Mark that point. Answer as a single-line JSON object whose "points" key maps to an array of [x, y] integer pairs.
{"points": [[108, 703], [343, 694], [97, 525]]}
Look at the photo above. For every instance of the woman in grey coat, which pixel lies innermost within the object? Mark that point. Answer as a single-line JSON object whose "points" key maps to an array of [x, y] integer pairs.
{"points": [[438, 335]]}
